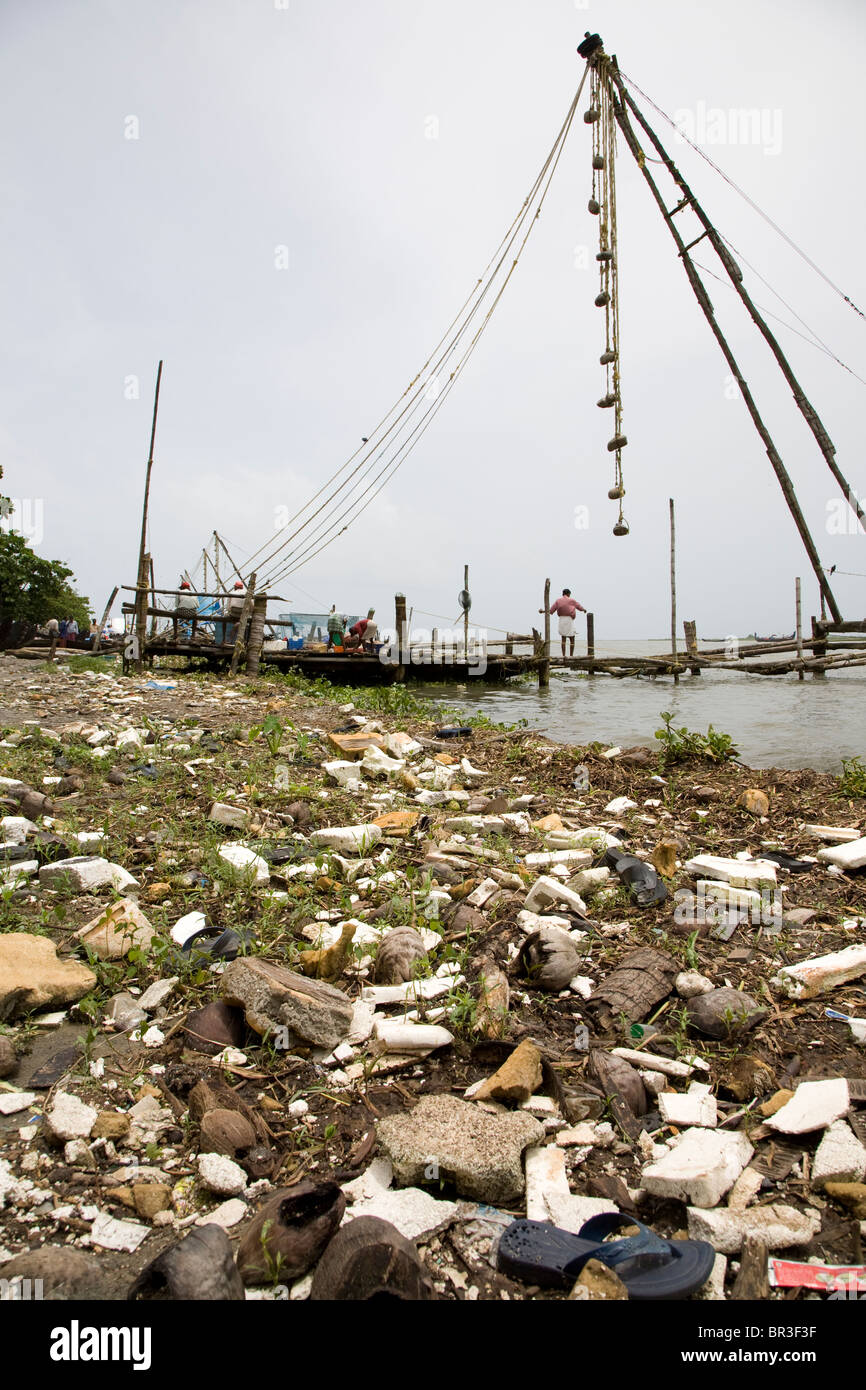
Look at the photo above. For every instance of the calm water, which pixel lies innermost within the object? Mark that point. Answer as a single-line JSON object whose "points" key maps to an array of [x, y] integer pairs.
{"points": [[775, 721]]}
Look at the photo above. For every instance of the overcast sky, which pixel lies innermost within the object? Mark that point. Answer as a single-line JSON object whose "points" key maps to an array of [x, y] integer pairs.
{"points": [[157, 153]]}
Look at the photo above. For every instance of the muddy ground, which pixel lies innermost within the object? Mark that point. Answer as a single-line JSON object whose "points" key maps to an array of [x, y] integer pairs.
{"points": [[154, 817]]}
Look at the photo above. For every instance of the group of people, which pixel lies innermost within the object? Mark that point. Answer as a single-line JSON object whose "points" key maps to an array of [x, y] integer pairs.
{"points": [[361, 636]]}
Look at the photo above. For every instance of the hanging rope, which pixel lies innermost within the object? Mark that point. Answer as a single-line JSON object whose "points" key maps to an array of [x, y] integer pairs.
{"points": [[424, 394], [603, 205], [752, 204]]}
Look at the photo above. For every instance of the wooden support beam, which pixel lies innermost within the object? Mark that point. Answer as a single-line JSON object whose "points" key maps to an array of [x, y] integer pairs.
{"points": [[590, 641], [544, 667], [257, 634], [622, 118], [241, 629]]}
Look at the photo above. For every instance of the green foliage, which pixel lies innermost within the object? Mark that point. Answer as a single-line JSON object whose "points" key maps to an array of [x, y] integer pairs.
{"points": [[34, 590], [678, 745], [853, 779], [272, 730]]}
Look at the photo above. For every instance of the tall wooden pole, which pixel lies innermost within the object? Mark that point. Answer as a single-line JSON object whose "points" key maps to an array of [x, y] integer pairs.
{"points": [[622, 119], [674, 591], [97, 639], [228, 556], [216, 560], [544, 668], [142, 584], [590, 640], [153, 620], [466, 616], [241, 630], [798, 601]]}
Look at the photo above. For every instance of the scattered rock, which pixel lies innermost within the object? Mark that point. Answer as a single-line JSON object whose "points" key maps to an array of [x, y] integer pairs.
{"points": [[690, 983], [753, 800], [274, 998], [598, 1283], [517, 1079], [779, 1227], [219, 1174], [68, 1118], [840, 1157], [700, 1168], [851, 1195], [814, 1105], [112, 934], [32, 977], [452, 1140]]}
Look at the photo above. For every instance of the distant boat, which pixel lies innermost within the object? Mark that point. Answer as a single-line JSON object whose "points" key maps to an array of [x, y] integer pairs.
{"points": [[785, 637]]}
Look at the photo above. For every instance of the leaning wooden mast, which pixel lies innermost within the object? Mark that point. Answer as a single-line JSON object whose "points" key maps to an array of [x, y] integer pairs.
{"points": [[622, 103]]}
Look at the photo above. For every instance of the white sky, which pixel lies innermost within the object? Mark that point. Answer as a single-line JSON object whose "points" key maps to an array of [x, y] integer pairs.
{"points": [[306, 126]]}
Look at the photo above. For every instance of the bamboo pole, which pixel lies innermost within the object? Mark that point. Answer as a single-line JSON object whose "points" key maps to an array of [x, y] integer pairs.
{"points": [[105, 613], [544, 667], [735, 275], [674, 590], [228, 556], [799, 629], [590, 641], [257, 634], [153, 620], [703, 299], [216, 561], [466, 616], [141, 618], [240, 631]]}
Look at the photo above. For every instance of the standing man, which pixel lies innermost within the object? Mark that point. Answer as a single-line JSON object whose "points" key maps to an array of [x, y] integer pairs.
{"points": [[336, 624], [565, 608], [71, 629], [52, 628]]}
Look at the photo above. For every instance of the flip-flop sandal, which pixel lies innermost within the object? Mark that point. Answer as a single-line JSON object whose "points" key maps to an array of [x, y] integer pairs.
{"points": [[785, 861], [209, 941], [649, 1266]]}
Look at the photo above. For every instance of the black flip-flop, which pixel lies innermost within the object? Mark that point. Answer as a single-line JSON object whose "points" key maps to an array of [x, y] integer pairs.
{"points": [[650, 1266], [210, 941]]}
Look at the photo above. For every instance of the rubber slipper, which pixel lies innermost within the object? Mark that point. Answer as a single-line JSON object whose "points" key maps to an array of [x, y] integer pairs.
{"points": [[785, 861], [224, 945], [649, 1266], [644, 884]]}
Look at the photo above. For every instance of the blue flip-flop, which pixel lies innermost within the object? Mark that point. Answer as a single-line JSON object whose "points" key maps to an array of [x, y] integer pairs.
{"points": [[649, 1266]]}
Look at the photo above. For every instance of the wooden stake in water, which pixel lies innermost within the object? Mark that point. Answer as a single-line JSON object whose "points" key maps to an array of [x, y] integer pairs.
{"points": [[800, 675], [466, 616], [544, 668], [674, 592]]}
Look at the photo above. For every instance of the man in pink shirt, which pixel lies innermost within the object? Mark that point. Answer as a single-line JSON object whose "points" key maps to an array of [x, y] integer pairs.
{"points": [[565, 608]]}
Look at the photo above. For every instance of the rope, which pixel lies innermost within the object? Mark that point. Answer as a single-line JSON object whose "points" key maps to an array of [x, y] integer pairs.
{"points": [[752, 204], [359, 505], [813, 341]]}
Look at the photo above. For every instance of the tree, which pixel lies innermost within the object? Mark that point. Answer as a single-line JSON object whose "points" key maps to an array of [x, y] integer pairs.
{"points": [[32, 589]]}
